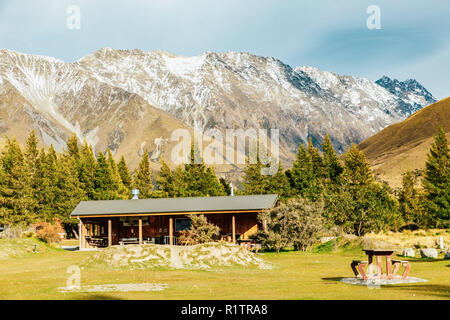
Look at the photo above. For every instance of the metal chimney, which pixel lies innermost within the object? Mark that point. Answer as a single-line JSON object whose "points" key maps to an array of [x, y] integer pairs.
{"points": [[231, 189], [135, 194]]}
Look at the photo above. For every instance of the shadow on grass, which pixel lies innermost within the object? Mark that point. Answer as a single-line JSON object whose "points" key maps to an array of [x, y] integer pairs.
{"points": [[97, 297], [337, 279], [436, 290], [421, 259]]}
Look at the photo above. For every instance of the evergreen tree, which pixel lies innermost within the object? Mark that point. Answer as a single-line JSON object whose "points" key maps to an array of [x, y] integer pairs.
{"points": [[226, 185], [360, 205], [409, 201], [103, 180], [142, 178], [124, 173], [200, 180], [73, 149], [31, 155], [332, 166], [46, 184], [68, 191], [16, 194], [436, 181], [254, 182], [86, 170], [305, 174], [165, 181], [121, 192], [278, 183]]}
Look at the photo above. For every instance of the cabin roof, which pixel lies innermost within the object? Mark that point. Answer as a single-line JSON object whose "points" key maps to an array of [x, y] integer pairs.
{"points": [[175, 205]]}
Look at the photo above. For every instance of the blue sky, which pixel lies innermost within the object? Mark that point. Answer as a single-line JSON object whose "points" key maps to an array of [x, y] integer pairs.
{"points": [[413, 42]]}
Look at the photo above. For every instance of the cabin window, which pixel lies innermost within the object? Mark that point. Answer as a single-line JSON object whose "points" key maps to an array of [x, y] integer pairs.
{"points": [[182, 224]]}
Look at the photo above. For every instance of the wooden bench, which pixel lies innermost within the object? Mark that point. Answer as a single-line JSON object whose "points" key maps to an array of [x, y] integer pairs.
{"points": [[360, 265], [128, 241], [397, 264]]}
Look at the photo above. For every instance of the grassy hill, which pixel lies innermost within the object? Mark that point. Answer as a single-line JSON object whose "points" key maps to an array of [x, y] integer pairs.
{"points": [[404, 146]]}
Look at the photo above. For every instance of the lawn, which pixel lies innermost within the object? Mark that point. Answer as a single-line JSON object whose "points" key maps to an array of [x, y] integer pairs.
{"points": [[295, 275]]}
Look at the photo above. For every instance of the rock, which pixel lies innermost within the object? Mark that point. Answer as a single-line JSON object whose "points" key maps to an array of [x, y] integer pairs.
{"points": [[447, 255], [326, 239], [429, 253], [408, 252]]}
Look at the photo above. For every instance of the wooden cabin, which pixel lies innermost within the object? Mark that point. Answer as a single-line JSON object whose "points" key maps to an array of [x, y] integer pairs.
{"points": [[111, 222]]}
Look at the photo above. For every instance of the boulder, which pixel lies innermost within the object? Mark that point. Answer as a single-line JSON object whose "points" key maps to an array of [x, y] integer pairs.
{"points": [[429, 253], [408, 252]]}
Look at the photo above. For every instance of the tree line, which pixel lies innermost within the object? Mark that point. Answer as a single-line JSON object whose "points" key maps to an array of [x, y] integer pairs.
{"points": [[40, 185]]}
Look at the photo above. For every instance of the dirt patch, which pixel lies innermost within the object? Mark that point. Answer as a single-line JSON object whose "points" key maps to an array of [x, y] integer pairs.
{"points": [[122, 287], [203, 256]]}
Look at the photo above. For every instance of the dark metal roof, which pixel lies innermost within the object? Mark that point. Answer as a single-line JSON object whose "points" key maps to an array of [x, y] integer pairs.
{"points": [[175, 205]]}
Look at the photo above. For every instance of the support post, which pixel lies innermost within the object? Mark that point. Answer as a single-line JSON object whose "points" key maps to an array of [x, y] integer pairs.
{"points": [[140, 230], [171, 231], [109, 233], [82, 235], [233, 228]]}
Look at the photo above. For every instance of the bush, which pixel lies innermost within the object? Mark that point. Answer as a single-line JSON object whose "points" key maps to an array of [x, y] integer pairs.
{"points": [[299, 222], [49, 232], [201, 231]]}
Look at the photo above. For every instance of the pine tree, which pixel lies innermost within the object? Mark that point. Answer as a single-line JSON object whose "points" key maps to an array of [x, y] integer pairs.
{"points": [[305, 174], [86, 170], [179, 183], [409, 201], [16, 194], [68, 191], [31, 155], [226, 185], [142, 178], [165, 181], [73, 149], [316, 160], [124, 173], [118, 188], [103, 180], [200, 180], [278, 183], [332, 166], [253, 181], [436, 181], [46, 184], [360, 205]]}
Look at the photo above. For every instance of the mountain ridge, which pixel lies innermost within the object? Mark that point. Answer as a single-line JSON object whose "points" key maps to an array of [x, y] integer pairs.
{"points": [[404, 145], [100, 94]]}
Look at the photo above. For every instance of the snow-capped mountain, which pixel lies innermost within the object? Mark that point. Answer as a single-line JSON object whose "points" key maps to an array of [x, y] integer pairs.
{"points": [[107, 95], [411, 94]]}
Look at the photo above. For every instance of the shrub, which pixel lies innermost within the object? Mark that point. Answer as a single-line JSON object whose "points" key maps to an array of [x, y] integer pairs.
{"points": [[299, 222], [49, 232], [201, 231]]}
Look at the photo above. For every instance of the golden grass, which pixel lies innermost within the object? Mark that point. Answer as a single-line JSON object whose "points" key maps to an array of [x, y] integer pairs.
{"points": [[411, 239], [403, 146]]}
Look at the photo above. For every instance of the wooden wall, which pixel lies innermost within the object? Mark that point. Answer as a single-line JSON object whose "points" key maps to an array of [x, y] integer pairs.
{"points": [[246, 224]]}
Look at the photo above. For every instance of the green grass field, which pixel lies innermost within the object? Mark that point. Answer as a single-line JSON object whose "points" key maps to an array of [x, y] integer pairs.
{"points": [[295, 275]]}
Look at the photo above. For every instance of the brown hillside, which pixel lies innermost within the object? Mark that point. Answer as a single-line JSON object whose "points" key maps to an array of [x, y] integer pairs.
{"points": [[404, 146]]}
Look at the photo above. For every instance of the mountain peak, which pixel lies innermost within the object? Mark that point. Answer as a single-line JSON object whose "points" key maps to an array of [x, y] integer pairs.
{"points": [[410, 91]]}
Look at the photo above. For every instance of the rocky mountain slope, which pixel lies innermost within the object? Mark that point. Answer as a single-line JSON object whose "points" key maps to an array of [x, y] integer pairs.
{"points": [[129, 99], [404, 146]]}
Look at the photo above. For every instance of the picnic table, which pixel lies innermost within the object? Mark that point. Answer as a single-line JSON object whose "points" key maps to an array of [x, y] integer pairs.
{"points": [[379, 254], [97, 241]]}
